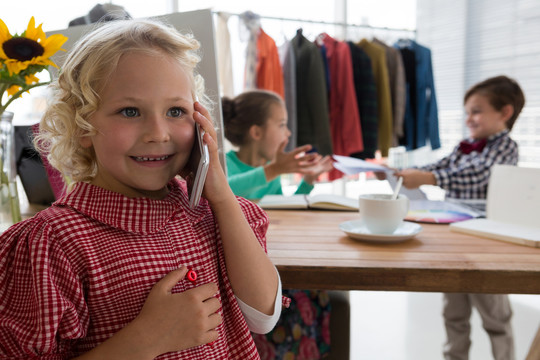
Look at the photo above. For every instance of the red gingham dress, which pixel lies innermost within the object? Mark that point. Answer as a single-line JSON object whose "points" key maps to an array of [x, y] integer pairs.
{"points": [[79, 271]]}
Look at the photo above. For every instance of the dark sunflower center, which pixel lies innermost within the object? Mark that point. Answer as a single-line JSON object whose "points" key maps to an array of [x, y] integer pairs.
{"points": [[22, 49]]}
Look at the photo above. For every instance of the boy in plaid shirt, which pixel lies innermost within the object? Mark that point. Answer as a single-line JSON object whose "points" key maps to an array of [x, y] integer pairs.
{"points": [[492, 107]]}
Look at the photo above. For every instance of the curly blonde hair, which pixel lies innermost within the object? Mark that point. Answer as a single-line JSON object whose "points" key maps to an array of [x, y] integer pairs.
{"points": [[75, 96]]}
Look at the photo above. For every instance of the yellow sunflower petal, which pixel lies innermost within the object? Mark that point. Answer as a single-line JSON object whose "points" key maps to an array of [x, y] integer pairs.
{"points": [[12, 90], [34, 33], [39, 60], [31, 32], [52, 44], [15, 67], [30, 79], [4, 31], [49, 62], [4, 36], [31, 26], [41, 36]]}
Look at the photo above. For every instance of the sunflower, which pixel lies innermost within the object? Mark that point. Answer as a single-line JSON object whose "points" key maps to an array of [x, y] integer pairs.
{"points": [[21, 57], [32, 47]]}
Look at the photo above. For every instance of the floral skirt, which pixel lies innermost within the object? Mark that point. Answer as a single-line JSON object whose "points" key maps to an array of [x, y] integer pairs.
{"points": [[303, 330]]}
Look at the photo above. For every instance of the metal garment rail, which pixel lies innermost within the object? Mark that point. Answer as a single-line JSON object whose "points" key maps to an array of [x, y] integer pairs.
{"points": [[317, 22]]}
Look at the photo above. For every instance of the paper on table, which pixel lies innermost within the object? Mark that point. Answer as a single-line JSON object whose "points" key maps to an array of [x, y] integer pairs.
{"points": [[351, 166]]}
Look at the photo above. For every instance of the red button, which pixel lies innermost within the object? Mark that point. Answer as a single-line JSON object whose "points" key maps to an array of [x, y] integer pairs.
{"points": [[192, 276]]}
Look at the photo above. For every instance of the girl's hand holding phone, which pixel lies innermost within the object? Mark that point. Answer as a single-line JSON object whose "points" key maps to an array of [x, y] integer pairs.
{"points": [[174, 322], [216, 181]]}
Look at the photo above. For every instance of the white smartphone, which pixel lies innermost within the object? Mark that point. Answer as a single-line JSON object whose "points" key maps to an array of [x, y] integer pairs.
{"points": [[200, 160]]}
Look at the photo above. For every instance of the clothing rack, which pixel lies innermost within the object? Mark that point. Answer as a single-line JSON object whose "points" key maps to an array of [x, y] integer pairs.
{"points": [[318, 22], [370, 44]]}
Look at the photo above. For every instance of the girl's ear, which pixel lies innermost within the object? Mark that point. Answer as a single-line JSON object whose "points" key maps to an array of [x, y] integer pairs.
{"points": [[85, 141], [255, 132]]}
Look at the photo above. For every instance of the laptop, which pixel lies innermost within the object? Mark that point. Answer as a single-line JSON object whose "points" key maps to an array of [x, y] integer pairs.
{"points": [[512, 209]]}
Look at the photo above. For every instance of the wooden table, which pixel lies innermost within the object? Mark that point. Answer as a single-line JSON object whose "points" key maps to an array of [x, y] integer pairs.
{"points": [[311, 252]]}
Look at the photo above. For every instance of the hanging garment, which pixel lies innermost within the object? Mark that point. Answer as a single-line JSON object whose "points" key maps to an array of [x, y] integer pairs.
{"points": [[427, 118], [322, 48], [398, 94], [344, 116], [384, 101], [313, 122], [286, 57], [224, 57], [252, 23], [409, 122], [268, 69], [366, 97]]}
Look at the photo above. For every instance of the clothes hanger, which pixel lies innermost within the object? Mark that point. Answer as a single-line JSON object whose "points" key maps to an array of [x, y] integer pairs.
{"points": [[319, 40], [404, 43], [299, 36], [302, 35], [251, 25]]}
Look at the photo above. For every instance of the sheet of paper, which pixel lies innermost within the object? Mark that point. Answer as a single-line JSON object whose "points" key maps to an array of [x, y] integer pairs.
{"points": [[351, 166]]}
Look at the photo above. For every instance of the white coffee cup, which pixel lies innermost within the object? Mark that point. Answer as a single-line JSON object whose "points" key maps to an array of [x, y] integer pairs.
{"points": [[381, 214]]}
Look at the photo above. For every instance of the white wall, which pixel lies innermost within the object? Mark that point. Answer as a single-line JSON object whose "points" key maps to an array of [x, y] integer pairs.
{"points": [[472, 40]]}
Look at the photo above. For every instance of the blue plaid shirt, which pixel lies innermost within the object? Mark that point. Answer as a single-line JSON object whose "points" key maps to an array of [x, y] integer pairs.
{"points": [[466, 176]]}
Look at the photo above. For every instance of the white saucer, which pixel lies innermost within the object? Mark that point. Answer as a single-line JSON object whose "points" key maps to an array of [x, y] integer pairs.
{"points": [[357, 230]]}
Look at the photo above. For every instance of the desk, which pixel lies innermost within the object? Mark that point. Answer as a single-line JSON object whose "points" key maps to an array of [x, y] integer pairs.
{"points": [[311, 252]]}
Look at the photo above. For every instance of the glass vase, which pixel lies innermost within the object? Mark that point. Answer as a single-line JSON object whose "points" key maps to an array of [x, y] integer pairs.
{"points": [[10, 212]]}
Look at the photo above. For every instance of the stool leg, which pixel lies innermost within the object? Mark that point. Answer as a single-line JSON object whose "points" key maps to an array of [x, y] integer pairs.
{"points": [[534, 350], [340, 325]]}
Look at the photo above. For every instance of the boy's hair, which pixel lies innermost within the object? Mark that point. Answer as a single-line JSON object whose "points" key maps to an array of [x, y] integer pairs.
{"points": [[500, 91], [245, 110], [75, 96]]}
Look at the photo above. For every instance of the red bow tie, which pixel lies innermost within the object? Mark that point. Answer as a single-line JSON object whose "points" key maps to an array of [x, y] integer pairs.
{"points": [[468, 147]]}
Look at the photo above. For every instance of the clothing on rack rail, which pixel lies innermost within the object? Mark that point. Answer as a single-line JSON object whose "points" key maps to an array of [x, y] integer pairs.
{"points": [[269, 75], [366, 97], [397, 108], [287, 59], [252, 24], [224, 56], [398, 94], [322, 49], [409, 122], [345, 124], [377, 55], [313, 121], [421, 114]]}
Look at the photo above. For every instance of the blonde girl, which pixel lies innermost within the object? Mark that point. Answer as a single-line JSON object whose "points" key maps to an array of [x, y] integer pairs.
{"points": [[121, 267]]}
